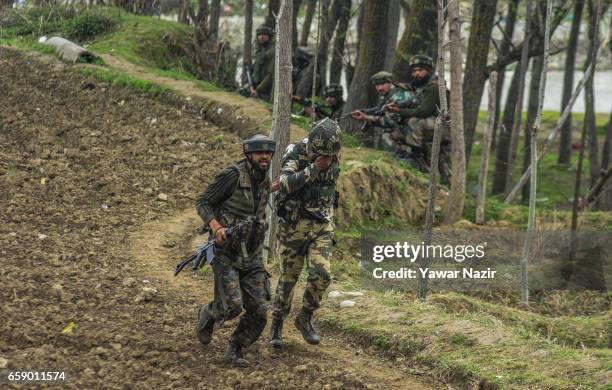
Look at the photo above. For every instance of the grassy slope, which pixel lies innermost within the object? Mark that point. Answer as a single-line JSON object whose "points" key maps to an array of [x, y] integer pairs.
{"points": [[454, 334]]}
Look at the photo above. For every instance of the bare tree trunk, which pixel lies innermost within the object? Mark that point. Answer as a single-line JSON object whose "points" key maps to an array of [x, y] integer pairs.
{"points": [[589, 97], [296, 11], [553, 134], [247, 59], [272, 12], [392, 31], [370, 59], [534, 162], [441, 120], [502, 154], [518, 110], [329, 19], [419, 37], [281, 114], [335, 67], [486, 151], [565, 149], [532, 111], [311, 8], [606, 157], [183, 16], [213, 24], [504, 49], [475, 66], [455, 203]]}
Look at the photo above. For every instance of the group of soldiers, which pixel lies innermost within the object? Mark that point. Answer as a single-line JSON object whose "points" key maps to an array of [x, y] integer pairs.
{"points": [[305, 197], [402, 121]]}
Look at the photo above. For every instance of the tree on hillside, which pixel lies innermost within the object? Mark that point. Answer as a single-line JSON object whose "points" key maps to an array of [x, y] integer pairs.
{"points": [[568, 82], [273, 6], [419, 37], [532, 110], [504, 49], [337, 60], [247, 58], [476, 64], [392, 31], [311, 8], [454, 206], [294, 30], [370, 59]]}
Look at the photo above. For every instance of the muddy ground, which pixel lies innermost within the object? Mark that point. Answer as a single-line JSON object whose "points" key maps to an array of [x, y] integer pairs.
{"points": [[97, 185]]}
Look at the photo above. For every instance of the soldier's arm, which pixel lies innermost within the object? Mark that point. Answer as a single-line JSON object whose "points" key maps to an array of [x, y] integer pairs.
{"points": [[217, 192], [291, 178], [428, 105]]}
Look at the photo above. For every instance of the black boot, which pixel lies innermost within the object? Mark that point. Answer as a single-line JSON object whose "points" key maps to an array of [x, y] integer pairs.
{"points": [[206, 325], [416, 159], [303, 324], [233, 355], [276, 334]]}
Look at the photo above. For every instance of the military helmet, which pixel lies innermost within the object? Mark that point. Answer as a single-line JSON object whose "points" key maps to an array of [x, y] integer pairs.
{"points": [[335, 90], [304, 53], [264, 30], [421, 61], [259, 143], [381, 78], [324, 138]]}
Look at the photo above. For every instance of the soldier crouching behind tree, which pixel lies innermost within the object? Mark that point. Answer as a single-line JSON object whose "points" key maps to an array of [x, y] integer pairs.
{"points": [[305, 203], [239, 193]]}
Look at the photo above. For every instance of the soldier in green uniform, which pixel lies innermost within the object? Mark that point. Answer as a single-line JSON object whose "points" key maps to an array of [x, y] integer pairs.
{"points": [[302, 59], [334, 99], [305, 204], [421, 118], [263, 65], [388, 122], [238, 193]]}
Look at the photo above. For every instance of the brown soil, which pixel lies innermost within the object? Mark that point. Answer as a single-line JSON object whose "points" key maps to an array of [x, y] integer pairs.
{"points": [[86, 239]]}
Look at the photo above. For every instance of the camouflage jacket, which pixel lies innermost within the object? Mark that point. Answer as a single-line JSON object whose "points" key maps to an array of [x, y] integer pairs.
{"points": [[304, 190], [391, 119]]}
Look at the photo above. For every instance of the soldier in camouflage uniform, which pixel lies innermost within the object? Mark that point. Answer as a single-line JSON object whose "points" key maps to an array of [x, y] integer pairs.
{"points": [[263, 65], [302, 59], [307, 195], [421, 118], [238, 193], [388, 122]]}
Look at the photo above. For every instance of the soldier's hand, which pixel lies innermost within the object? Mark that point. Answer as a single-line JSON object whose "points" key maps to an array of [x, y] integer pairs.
{"points": [[253, 92], [393, 107], [323, 162], [359, 115], [221, 236], [275, 185]]}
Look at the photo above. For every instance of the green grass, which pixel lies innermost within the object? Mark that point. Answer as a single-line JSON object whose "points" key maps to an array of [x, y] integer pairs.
{"points": [[124, 80], [456, 346]]}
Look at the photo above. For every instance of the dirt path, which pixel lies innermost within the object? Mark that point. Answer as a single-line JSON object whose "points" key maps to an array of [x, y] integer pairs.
{"points": [[333, 364], [97, 186]]}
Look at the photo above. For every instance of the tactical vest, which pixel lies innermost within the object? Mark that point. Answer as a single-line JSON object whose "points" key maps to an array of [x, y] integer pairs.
{"points": [[240, 206], [317, 198]]}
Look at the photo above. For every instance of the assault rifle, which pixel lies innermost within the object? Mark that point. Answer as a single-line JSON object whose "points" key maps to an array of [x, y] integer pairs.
{"points": [[246, 89], [206, 253], [320, 109], [381, 110]]}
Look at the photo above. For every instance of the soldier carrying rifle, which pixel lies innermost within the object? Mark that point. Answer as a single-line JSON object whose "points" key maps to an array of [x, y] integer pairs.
{"points": [[238, 193]]}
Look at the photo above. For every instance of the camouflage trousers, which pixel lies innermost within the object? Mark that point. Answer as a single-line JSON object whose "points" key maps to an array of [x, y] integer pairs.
{"points": [[420, 135], [306, 240], [238, 288]]}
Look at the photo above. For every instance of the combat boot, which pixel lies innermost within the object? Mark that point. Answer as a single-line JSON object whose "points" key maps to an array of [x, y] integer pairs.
{"points": [[276, 334], [416, 159], [206, 325], [303, 324], [233, 355]]}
